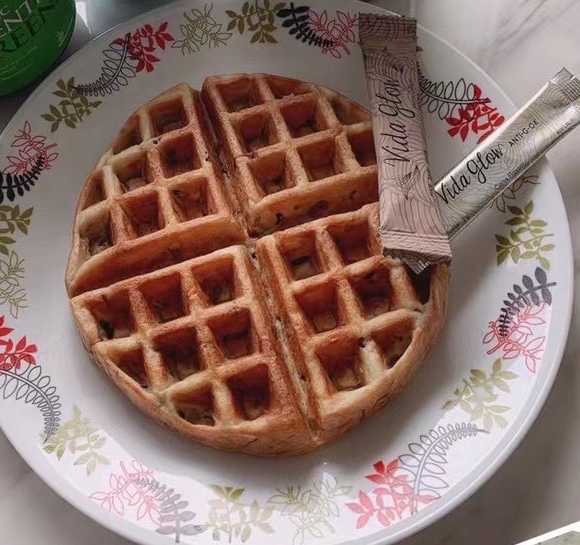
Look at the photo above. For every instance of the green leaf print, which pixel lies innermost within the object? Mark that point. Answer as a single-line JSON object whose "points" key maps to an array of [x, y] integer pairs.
{"points": [[11, 291], [71, 110], [13, 220], [258, 18], [200, 29], [81, 439], [311, 510], [479, 393], [526, 239], [231, 518]]}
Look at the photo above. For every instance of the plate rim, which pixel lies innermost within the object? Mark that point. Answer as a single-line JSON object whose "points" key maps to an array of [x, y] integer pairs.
{"points": [[142, 535]]}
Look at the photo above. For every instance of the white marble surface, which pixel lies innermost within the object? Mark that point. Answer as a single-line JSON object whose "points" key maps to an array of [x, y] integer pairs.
{"points": [[520, 43]]}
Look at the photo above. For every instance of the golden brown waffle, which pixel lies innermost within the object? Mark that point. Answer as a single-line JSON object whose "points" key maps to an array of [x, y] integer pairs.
{"points": [[298, 152], [237, 293], [356, 324]]}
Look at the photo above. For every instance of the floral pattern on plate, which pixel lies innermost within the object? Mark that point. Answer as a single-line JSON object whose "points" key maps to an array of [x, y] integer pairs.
{"points": [[471, 411]]}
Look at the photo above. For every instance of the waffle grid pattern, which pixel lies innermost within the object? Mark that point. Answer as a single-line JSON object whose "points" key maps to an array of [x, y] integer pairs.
{"points": [[298, 152], [353, 312], [243, 339], [177, 330], [155, 198]]}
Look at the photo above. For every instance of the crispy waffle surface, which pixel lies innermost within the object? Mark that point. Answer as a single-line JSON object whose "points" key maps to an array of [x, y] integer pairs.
{"points": [[226, 271]]}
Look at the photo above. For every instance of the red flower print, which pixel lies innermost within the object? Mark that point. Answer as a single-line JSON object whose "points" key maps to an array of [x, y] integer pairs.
{"points": [[391, 500], [28, 149], [522, 338], [478, 117], [339, 32], [12, 356], [142, 44], [412, 480]]}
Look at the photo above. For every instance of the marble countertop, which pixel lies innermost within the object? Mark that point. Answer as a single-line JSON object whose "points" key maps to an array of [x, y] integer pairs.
{"points": [[519, 43]]}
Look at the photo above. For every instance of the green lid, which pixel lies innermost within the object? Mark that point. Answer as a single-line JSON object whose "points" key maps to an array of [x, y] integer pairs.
{"points": [[33, 34]]}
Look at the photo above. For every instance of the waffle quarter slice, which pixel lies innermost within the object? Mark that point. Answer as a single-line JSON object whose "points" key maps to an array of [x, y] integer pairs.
{"points": [[226, 271]]}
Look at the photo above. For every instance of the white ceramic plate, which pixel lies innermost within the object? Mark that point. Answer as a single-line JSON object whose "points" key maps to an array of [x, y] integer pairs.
{"points": [[470, 404]]}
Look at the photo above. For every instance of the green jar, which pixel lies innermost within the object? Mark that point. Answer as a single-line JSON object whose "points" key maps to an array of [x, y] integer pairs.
{"points": [[33, 34]]}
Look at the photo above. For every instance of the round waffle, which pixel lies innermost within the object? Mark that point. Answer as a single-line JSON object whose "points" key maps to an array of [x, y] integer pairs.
{"points": [[227, 274]]}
